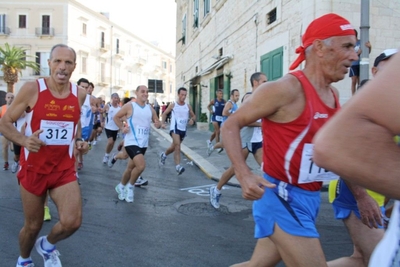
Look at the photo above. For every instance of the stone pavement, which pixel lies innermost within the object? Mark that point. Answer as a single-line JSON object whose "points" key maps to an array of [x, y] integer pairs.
{"points": [[194, 147]]}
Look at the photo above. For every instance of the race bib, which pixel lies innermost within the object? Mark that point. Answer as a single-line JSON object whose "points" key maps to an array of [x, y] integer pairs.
{"points": [[309, 171], [142, 135], [218, 118], [56, 133], [181, 125]]}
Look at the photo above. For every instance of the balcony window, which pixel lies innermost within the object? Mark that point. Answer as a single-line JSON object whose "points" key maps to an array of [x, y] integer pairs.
{"points": [[84, 28], [22, 21], [41, 60], [206, 5], [195, 13], [45, 25]]}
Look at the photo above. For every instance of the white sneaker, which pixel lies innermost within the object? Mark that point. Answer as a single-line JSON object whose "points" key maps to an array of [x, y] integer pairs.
{"points": [[129, 194], [105, 159], [140, 181], [210, 150], [27, 263], [112, 160], [209, 143], [50, 258], [120, 191], [180, 170], [94, 142], [163, 157], [14, 167], [214, 197]]}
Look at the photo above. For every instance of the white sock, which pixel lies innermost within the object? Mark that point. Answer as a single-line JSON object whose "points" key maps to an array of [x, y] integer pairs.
{"points": [[121, 186], [21, 260], [107, 155], [46, 245], [217, 190], [178, 166]]}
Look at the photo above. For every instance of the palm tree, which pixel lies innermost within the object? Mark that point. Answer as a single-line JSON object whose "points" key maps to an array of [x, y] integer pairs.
{"points": [[13, 61]]}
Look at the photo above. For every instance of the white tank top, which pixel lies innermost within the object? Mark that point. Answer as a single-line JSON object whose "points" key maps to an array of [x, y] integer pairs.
{"points": [[110, 124], [86, 113], [179, 117], [139, 126]]}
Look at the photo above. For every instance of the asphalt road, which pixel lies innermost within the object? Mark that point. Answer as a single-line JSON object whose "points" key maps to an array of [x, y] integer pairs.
{"points": [[171, 222]]}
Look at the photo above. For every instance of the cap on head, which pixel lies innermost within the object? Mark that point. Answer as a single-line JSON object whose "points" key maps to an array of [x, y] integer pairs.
{"points": [[322, 28], [384, 56]]}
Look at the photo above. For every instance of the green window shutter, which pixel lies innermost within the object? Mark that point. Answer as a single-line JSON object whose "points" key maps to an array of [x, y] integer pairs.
{"points": [[272, 64]]}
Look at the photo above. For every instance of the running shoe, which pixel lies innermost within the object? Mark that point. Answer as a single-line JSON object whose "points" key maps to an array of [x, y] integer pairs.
{"points": [[180, 170], [27, 263], [47, 215], [50, 257], [14, 167], [6, 166], [105, 159], [112, 160], [220, 150], [163, 157], [129, 194], [140, 181], [120, 191], [210, 150], [209, 143], [94, 142], [214, 197], [80, 166], [120, 146]]}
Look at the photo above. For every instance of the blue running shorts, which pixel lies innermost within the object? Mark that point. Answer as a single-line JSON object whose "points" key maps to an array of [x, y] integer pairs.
{"points": [[293, 209]]}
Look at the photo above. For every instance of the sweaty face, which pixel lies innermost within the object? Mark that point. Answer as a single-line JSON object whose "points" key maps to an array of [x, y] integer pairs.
{"points": [[143, 94], [115, 100], [219, 94], [61, 64], [84, 86], [337, 56]]}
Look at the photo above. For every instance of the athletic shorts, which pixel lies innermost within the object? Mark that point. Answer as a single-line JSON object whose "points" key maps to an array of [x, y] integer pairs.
{"points": [[111, 133], [17, 149], [86, 132], [354, 70], [96, 125], [213, 119], [182, 134], [293, 209], [252, 147], [133, 151], [344, 202], [38, 184]]}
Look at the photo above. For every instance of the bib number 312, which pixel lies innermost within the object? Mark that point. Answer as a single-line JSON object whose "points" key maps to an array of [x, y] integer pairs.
{"points": [[56, 132]]}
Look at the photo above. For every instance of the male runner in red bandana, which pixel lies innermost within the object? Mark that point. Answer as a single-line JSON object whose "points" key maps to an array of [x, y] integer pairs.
{"points": [[293, 108]]}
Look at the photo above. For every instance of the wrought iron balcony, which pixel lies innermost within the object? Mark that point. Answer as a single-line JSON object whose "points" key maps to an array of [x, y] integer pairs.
{"points": [[44, 31]]}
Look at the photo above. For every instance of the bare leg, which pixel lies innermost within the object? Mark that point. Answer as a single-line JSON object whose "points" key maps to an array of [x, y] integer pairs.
{"points": [[110, 145], [69, 205], [230, 172]]}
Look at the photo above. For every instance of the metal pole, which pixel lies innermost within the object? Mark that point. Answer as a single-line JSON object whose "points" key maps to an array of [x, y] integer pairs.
{"points": [[364, 37], [111, 59]]}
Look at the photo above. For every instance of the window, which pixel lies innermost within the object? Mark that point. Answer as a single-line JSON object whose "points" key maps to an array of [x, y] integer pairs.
{"points": [[170, 88], [195, 13], [117, 46], [164, 65], [130, 77], [206, 4], [22, 21], [41, 60], [102, 72], [46, 25], [170, 68], [102, 44], [84, 64], [271, 16], [3, 23], [84, 28], [183, 38], [155, 86], [272, 64]]}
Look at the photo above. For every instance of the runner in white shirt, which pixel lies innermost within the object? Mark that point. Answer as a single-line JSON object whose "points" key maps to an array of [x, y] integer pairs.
{"points": [[111, 127], [139, 116], [179, 119]]}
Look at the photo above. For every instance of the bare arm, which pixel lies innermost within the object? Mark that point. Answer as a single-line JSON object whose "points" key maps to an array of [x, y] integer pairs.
{"points": [[192, 115], [155, 119], [209, 107], [227, 108], [124, 112], [357, 143], [166, 112]]}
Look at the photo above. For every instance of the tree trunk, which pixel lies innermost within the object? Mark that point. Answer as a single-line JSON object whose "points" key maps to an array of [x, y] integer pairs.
{"points": [[10, 87]]}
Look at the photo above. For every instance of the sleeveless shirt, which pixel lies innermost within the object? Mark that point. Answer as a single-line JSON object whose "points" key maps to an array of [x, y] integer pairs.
{"points": [[58, 118], [284, 142]]}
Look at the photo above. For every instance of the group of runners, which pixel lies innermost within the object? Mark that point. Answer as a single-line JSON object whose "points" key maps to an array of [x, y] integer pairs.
{"points": [[58, 116]]}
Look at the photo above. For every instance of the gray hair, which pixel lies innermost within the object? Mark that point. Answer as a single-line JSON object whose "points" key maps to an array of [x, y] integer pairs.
{"points": [[64, 46]]}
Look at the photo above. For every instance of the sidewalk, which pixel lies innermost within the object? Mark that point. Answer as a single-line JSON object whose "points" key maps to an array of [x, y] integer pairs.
{"points": [[194, 147]]}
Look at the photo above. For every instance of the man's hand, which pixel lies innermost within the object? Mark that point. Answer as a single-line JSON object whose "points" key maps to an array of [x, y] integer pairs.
{"points": [[82, 146], [157, 124], [370, 212], [253, 186], [163, 125], [33, 143], [191, 122]]}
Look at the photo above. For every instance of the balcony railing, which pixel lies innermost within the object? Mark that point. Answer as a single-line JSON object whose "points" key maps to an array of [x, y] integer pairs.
{"points": [[5, 31], [104, 47], [103, 80], [44, 31], [119, 84]]}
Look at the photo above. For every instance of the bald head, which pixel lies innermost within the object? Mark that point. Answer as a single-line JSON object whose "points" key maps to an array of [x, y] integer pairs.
{"points": [[9, 98]]}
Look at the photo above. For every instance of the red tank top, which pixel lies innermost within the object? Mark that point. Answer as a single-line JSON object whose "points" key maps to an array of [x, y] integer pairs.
{"points": [[283, 142], [58, 119]]}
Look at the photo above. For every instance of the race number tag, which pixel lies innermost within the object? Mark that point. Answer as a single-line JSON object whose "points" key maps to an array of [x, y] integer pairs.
{"points": [[142, 135], [309, 171], [219, 118], [56, 133]]}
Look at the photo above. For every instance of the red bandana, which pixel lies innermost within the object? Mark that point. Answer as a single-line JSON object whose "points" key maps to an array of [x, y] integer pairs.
{"points": [[321, 28]]}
